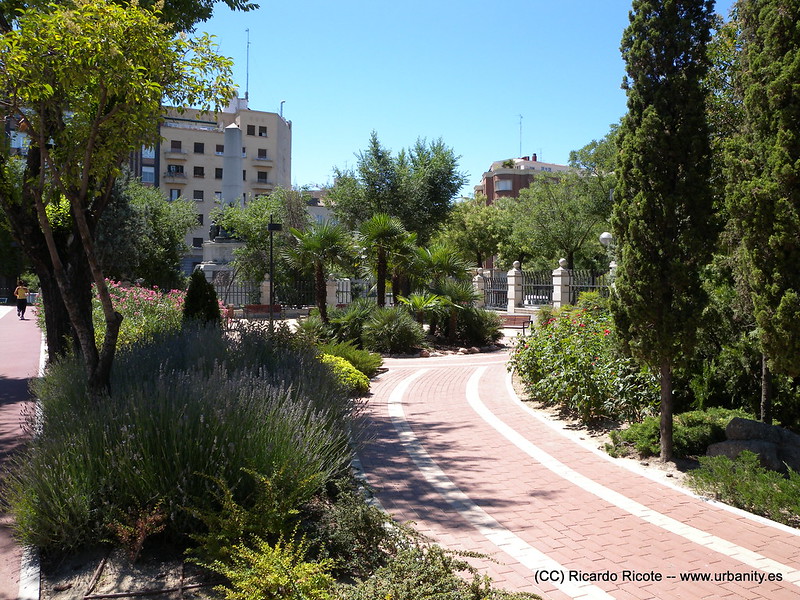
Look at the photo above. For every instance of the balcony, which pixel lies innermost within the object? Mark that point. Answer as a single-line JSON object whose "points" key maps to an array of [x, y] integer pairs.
{"points": [[263, 162], [262, 184], [175, 154], [174, 177]]}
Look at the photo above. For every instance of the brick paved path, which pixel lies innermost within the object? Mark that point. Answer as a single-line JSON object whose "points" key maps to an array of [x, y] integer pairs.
{"points": [[454, 451], [20, 346]]}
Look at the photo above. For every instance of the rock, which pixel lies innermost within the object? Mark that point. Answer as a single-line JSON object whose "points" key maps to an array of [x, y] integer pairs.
{"points": [[462, 351], [767, 452], [747, 429], [424, 353], [785, 444], [473, 350]]}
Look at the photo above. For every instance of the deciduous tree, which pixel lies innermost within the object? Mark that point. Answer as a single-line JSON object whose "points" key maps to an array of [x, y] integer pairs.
{"points": [[87, 102], [417, 186]]}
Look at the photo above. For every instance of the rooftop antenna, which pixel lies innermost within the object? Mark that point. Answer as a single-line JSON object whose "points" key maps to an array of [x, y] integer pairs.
{"points": [[247, 68], [520, 136]]}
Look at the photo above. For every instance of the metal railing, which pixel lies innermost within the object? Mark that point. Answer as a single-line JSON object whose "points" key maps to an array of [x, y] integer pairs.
{"points": [[585, 280], [295, 292], [495, 291], [537, 288]]}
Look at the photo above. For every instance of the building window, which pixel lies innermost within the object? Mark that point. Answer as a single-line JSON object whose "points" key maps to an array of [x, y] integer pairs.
{"points": [[198, 195], [174, 194], [251, 130], [262, 153], [218, 173], [197, 242], [244, 152], [175, 169], [199, 148], [503, 185], [199, 218], [220, 150], [262, 177], [175, 145], [217, 196], [148, 174], [148, 152], [262, 131], [199, 172], [244, 175]]}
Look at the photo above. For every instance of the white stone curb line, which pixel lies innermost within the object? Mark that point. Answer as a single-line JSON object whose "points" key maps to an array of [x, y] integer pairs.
{"points": [[30, 569]]}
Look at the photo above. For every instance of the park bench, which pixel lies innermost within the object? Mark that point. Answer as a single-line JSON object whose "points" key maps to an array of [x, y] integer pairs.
{"points": [[261, 311], [516, 322]]}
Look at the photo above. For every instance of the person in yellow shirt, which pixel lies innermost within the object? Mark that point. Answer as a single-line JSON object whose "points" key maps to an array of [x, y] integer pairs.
{"points": [[21, 294]]}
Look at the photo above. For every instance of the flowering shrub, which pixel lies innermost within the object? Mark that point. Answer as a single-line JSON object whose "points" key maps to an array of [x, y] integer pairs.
{"points": [[572, 360], [145, 311]]}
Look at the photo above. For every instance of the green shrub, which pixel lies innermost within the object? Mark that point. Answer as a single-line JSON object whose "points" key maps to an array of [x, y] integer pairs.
{"points": [[392, 331], [425, 572], [572, 360], [146, 312], [188, 409], [201, 302], [693, 432], [356, 535], [271, 572], [347, 324], [271, 511], [365, 361], [350, 378], [313, 328], [745, 484], [478, 327]]}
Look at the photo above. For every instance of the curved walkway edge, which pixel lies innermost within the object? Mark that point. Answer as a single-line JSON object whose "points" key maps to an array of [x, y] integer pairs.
{"points": [[456, 452]]}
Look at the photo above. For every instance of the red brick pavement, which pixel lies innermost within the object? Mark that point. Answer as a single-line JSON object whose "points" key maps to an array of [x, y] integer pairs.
{"points": [[20, 346], [464, 483]]}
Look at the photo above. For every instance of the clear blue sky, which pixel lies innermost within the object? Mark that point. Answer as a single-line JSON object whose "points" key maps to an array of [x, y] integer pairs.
{"points": [[461, 70]]}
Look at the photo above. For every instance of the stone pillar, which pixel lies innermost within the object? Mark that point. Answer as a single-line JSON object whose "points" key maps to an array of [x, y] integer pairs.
{"points": [[562, 281], [514, 288], [330, 292], [479, 285]]}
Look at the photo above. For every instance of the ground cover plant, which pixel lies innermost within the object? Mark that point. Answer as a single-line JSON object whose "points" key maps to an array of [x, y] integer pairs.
{"points": [[572, 360], [365, 361], [693, 432], [745, 484], [351, 379], [188, 409]]}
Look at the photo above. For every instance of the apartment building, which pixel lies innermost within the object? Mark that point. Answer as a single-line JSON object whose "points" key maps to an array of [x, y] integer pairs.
{"points": [[192, 160], [505, 178]]}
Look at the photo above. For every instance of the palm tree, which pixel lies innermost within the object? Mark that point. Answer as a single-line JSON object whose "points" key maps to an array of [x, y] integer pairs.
{"points": [[440, 262], [381, 234], [319, 246]]}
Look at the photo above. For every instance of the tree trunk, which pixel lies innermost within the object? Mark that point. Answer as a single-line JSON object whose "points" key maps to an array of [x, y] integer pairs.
{"points": [[666, 410], [381, 277], [766, 391], [321, 291]]}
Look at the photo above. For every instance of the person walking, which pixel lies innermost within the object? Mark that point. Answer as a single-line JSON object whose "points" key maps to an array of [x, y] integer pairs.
{"points": [[21, 294]]}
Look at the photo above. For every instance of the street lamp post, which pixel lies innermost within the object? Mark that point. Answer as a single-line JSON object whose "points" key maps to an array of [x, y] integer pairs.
{"points": [[272, 228]]}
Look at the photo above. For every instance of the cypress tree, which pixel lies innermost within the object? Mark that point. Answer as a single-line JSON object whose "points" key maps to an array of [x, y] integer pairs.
{"points": [[763, 171], [201, 304], [663, 220]]}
